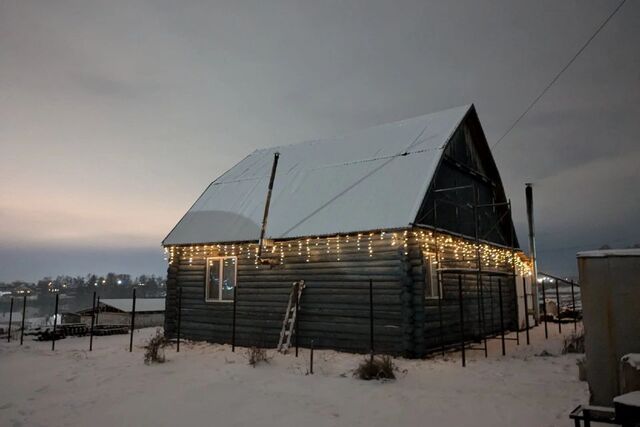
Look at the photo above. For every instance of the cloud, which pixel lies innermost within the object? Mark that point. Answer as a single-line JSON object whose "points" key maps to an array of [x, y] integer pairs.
{"points": [[116, 115]]}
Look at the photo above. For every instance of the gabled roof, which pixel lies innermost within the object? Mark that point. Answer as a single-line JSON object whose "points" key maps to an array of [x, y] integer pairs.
{"points": [[142, 304], [372, 179]]}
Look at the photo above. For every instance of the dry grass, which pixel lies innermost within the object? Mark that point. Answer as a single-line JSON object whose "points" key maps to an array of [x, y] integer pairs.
{"points": [[154, 350], [574, 343], [377, 368], [257, 355]]}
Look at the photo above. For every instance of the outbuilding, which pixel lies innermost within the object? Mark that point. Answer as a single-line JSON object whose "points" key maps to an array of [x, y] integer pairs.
{"points": [[415, 209], [117, 311]]}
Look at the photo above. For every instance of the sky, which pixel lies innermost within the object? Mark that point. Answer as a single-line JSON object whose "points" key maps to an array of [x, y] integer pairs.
{"points": [[115, 116]]}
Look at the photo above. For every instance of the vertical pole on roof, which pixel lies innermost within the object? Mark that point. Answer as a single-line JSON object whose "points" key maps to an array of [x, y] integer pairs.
{"points": [[55, 323], [438, 277], [573, 307], [10, 319], [265, 215], [479, 293], [558, 305], [544, 311], [504, 349], [133, 320], [180, 317], [371, 349], [93, 321], [24, 313], [296, 290], [461, 306], [532, 252], [526, 308]]}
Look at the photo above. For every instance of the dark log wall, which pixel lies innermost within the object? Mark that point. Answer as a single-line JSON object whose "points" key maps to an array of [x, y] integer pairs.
{"points": [[334, 307], [430, 334], [335, 303]]}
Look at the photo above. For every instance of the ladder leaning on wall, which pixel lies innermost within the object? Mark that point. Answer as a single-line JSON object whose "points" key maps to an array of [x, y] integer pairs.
{"points": [[289, 322]]}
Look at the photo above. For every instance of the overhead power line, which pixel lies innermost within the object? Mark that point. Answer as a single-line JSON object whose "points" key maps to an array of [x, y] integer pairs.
{"points": [[557, 76]]}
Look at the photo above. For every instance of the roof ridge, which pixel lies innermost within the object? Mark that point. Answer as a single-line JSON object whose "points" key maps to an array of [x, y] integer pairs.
{"points": [[348, 134]]}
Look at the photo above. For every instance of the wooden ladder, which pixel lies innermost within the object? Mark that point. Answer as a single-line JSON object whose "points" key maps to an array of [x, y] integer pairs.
{"points": [[289, 322]]}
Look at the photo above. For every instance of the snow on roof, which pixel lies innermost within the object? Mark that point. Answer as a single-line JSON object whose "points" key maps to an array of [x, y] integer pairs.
{"points": [[142, 304], [629, 399], [609, 253], [368, 180]]}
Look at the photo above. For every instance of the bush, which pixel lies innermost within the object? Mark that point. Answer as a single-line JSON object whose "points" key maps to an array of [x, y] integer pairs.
{"points": [[257, 355], [574, 343], [154, 350], [377, 368]]}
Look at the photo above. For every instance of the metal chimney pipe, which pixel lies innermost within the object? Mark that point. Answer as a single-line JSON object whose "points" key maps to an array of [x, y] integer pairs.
{"points": [[532, 251]]}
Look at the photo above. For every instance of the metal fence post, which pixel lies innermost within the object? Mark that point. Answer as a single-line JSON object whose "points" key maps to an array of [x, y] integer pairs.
{"points": [[180, 315], [558, 304], [24, 314], [461, 305], [10, 319], [98, 311], [233, 321], [93, 321], [440, 323], [504, 349], [297, 288], [371, 348], [311, 359], [573, 305], [544, 311], [133, 320], [526, 309], [55, 323], [493, 317]]}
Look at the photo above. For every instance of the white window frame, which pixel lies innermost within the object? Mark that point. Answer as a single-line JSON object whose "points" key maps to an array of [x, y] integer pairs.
{"points": [[220, 260], [431, 277]]}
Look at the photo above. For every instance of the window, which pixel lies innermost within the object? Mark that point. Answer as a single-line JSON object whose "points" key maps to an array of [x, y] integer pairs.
{"points": [[432, 288], [221, 278]]}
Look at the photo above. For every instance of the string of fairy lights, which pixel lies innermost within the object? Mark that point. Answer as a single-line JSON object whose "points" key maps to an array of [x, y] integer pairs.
{"points": [[464, 251]]}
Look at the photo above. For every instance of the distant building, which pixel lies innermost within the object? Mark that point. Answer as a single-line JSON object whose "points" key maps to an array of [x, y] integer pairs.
{"points": [[149, 312]]}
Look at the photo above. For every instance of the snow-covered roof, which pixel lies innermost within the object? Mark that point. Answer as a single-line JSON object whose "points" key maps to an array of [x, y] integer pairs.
{"points": [[372, 179], [602, 253], [142, 304]]}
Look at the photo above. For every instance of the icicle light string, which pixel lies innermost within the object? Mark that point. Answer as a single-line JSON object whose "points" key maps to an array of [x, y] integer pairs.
{"points": [[462, 252]]}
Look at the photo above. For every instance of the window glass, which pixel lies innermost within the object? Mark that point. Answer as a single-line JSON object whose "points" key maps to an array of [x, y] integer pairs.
{"points": [[213, 279], [221, 278], [228, 278], [432, 289]]}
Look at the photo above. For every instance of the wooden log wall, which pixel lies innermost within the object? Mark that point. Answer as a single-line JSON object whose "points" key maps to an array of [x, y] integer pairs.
{"points": [[335, 303], [481, 309], [334, 306]]}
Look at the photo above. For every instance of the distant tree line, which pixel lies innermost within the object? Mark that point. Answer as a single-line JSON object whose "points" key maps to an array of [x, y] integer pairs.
{"points": [[76, 293]]}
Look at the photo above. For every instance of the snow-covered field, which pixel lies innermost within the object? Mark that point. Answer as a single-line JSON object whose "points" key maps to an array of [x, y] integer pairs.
{"points": [[208, 385]]}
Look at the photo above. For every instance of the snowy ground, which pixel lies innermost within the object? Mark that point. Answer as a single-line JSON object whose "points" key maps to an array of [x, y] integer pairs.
{"points": [[206, 385]]}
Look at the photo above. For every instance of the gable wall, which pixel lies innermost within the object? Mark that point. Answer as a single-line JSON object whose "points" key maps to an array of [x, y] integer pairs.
{"points": [[467, 161]]}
